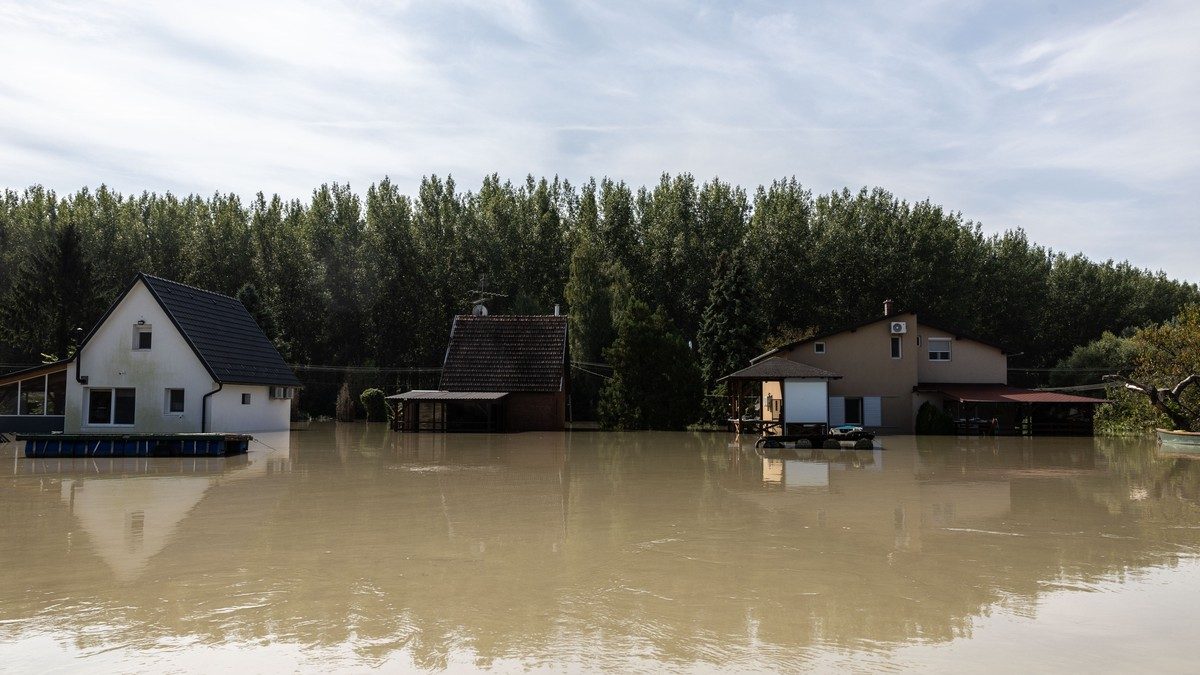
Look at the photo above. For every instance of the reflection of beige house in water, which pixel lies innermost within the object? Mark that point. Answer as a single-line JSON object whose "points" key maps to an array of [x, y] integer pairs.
{"points": [[879, 372]]}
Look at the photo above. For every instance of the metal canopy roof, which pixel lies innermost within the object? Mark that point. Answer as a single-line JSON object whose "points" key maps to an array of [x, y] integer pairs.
{"points": [[1002, 393], [437, 395]]}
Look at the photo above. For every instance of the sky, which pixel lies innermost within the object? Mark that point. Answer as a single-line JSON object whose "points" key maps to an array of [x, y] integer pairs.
{"points": [[1077, 121]]}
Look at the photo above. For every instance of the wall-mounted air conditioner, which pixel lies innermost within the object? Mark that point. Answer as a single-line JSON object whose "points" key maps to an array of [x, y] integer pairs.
{"points": [[899, 327]]}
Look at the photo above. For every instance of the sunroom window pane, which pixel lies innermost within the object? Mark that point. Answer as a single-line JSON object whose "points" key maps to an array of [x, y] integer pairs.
{"points": [[33, 396]]}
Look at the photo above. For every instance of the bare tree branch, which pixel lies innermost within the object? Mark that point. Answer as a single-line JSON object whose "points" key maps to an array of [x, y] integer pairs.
{"points": [[1158, 398]]}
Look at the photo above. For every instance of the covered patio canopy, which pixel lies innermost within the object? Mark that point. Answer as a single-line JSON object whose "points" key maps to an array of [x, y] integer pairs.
{"points": [[1003, 393], [440, 410], [1000, 408], [789, 374]]}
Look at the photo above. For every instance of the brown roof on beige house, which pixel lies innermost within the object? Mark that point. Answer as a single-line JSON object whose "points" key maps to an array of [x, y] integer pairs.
{"points": [[779, 368], [506, 353]]}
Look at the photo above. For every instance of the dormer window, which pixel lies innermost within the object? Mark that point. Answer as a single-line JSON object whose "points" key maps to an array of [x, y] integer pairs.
{"points": [[142, 337]]}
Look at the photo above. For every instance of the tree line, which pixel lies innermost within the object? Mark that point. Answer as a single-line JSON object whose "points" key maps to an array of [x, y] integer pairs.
{"points": [[343, 278]]}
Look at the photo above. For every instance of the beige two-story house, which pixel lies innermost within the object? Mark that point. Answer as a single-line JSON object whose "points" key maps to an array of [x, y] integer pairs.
{"points": [[883, 369]]}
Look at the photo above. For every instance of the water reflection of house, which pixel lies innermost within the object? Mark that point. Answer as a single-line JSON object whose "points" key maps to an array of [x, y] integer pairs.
{"points": [[130, 509]]}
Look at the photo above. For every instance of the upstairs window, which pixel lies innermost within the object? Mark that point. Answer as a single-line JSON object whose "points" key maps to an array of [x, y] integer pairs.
{"points": [[819, 348], [939, 349], [174, 401], [896, 348], [245, 399], [280, 392], [143, 337]]}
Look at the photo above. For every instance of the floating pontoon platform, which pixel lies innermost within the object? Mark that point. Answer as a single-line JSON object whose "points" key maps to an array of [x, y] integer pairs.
{"points": [[134, 445]]}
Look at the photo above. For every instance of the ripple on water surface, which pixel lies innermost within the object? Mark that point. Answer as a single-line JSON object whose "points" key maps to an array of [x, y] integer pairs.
{"points": [[344, 547]]}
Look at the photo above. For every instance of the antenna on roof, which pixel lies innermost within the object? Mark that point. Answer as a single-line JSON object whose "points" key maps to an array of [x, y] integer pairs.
{"points": [[479, 306]]}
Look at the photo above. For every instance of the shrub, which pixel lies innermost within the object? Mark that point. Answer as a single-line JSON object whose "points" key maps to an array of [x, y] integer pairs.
{"points": [[374, 403], [932, 421]]}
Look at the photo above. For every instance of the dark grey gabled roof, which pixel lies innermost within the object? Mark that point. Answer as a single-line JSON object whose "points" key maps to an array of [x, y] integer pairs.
{"points": [[224, 336]]}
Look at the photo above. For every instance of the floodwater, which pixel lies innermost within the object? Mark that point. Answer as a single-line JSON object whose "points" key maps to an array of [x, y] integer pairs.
{"points": [[349, 548]]}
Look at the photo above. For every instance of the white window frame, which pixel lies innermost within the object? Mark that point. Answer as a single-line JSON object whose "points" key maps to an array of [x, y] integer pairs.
{"points": [[818, 347], [138, 329], [112, 407], [948, 351], [279, 392], [167, 401], [896, 347]]}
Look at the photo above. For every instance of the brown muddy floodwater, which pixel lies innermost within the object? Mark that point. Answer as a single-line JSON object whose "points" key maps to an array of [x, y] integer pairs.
{"points": [[354, 549]]}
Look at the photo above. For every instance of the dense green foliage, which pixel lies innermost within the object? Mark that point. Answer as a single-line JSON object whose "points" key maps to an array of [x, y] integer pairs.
{"points": [[1089, 363], [731, 330], [1165, 354], [655, 382], [374, 404], [373, 279]]}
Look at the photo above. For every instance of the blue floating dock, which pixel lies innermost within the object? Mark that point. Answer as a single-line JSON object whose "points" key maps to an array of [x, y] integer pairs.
{"points": [[134, 445]]}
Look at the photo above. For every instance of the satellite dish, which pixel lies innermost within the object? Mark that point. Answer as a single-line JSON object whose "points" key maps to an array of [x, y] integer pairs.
{"points": [[479, 310]]}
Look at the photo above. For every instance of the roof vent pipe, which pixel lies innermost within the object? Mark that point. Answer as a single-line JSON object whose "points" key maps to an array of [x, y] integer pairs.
{"points": [[556, 310], [887, 307]]}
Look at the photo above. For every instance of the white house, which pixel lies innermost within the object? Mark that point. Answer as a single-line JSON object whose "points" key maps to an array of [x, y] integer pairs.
{"points": [[171, 358]]}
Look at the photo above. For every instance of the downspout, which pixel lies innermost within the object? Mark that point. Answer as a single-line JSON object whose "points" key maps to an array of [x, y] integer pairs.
{"points": [[204, 406]]}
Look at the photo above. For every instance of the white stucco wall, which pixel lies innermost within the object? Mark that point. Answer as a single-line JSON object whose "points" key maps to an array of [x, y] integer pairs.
{"points": [[805, 401], [262, 414], [109, 360]]}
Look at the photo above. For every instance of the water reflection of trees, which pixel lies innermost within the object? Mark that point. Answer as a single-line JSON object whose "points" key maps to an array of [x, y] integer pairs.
{"points": [[599, 546]]}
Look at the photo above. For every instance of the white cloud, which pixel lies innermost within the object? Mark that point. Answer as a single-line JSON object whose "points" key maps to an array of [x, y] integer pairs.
{"points": [[1077, 122]]}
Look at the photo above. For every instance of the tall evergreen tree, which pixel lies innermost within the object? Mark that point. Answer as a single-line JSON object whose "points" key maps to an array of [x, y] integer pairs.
{"points": [[731, 329], [655, 382], [49, 300]]}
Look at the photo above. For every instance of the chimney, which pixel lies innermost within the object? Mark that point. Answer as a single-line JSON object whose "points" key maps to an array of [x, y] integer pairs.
{"points": [[556, 309], [887, 307]]}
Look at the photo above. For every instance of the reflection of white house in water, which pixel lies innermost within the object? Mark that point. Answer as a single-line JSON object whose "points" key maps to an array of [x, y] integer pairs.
{"points": [[130, 519]]}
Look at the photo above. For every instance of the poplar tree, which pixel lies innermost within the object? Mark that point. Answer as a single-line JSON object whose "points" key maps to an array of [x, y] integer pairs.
{"points": [[731, 329], [655, 383]]}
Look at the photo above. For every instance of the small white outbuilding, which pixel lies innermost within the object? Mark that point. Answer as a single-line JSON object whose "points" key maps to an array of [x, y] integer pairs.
{"points": [[171, 358]]}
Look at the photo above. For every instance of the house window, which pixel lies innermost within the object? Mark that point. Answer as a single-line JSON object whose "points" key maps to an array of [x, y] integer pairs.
{"points": [[939, 349], [33, 396], [111, 406], [819, 348], [56, 393], [281, 392], [245, 399], [854, 410], [142, 337], [41, 395], [174, 401], [896, 348], [8, 399]]}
